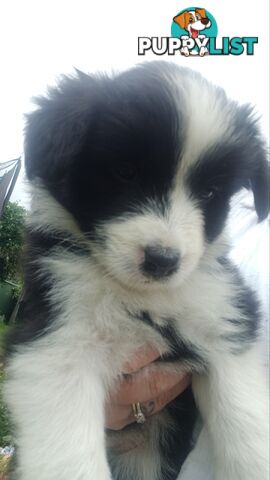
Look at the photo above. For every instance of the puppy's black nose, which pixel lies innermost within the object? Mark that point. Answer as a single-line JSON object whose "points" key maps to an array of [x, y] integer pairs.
{"points": [[204, 20], [160, 261]]}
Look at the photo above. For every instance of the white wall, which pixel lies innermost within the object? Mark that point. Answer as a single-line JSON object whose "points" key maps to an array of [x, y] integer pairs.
{"points": [[42, 39]]}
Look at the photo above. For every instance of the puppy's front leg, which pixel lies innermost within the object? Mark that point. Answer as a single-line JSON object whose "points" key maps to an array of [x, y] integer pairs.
{"points": [[233, 400], [56, 399]]}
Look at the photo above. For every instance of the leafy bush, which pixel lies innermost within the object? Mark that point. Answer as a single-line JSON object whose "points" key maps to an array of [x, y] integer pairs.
{"points": [[5, 430], [5, 435], [12, 224]]}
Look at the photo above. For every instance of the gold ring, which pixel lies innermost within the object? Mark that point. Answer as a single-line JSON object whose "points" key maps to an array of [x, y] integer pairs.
{"points": [[138, 414]]}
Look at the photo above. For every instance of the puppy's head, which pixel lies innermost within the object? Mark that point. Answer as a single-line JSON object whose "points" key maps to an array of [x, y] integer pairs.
{"points": [[146, 162], [193, 21]]}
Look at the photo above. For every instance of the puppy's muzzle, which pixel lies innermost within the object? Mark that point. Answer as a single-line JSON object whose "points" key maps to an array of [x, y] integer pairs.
{"points": [[160, 262]]}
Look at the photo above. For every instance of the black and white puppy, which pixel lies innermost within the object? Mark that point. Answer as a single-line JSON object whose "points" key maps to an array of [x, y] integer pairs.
{"points": [[132, 178]]}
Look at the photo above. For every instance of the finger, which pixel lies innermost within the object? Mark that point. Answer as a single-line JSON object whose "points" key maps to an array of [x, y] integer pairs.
{"points": [[159, 403], [140, 387], [119, 416], [142, 358], [167, 397]]}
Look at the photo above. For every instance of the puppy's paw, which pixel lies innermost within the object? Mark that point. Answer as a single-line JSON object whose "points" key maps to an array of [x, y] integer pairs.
{"points": [[185, 51], [203, 51]]}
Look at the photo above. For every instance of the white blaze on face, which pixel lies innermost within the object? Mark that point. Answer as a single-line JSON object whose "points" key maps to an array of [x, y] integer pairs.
{"points": [[206, 115], [187, 221]]}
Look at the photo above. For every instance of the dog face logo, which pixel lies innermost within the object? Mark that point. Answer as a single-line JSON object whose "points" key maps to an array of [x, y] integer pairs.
{"points": [[193, 21], [194, 26]]}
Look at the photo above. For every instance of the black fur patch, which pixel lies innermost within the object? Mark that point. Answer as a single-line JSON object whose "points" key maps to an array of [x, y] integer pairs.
{"points": [[106, 147], [178, 442], [245, 300], [179, 349]]}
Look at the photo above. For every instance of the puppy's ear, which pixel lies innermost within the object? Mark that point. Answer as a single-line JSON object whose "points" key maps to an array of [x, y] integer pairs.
{"points": [[201, 12], [181, 20], [55, 131], [259, 182], [254, 154]]}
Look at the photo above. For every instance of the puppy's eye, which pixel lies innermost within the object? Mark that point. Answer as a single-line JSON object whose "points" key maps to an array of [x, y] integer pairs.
{"points": [[126, 172], [208, 195]]}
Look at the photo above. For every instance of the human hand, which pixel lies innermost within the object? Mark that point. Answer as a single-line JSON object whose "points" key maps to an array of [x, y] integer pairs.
{"points": [[153, 391]]}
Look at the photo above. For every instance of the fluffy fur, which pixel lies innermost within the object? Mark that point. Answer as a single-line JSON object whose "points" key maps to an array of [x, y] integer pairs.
{"points": [[147, 158]]}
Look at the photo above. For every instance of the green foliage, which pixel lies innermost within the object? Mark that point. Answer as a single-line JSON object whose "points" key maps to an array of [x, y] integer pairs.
{"points": [[12, 225], [5, 429], [17, 290], [5, 435], [3, 331]]}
